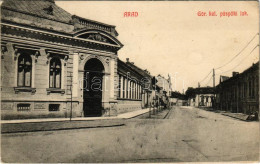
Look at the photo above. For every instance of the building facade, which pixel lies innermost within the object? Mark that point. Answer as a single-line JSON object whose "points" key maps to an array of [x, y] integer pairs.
{"points": [[163, 88], [134, 87], [201, 97], [54, 63], [240, 93], [178, 99]]}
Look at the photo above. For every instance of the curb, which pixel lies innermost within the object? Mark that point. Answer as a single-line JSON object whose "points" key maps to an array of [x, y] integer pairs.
{"points": [[235, 117], [67, 119], [137, 115], [58, 129]]}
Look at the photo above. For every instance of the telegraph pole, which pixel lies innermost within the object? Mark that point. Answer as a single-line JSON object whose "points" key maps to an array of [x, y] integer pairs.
{"points": [[213, 105], [213, 78], [71, 98]]}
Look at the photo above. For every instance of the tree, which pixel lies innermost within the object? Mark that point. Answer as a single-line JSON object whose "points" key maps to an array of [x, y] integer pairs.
{"points": [[190, 92]]}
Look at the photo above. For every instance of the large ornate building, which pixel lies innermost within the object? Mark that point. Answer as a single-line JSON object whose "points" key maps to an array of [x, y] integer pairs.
{"points": [[53, 63]]}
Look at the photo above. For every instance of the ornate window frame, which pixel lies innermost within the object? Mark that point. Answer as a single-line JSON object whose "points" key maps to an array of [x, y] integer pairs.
{"points": [[34, 54], [63, 57]]}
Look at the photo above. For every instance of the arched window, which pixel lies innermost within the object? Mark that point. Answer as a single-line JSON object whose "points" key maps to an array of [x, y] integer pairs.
{"points": [[24, 70], [55, 73]]}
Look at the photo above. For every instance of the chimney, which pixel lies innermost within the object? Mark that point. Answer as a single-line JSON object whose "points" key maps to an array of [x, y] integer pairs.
{"points": [[234, 73], [127, 59]]}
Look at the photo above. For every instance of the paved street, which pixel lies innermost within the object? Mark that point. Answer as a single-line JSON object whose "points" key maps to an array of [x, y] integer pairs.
{"points": [[187, 134]]}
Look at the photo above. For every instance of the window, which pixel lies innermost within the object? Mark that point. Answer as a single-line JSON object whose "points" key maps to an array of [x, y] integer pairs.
{"points": [[127, 88], [54, 107], [130, 90], [239, 91], [55, 73], [119, 86], [245, 89], [249, 88], [24, 70], [123, 88], [23, 107], [253, 88]]}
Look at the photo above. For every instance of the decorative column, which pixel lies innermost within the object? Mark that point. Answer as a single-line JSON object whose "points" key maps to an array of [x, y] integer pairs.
{"points": [[112, 78], [75, 75], [112, 101]]}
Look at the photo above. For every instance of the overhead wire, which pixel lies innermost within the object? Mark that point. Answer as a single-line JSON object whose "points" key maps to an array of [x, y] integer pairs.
{"points": [[239, 52], [240, 61], [205, 77], [208, 81]]}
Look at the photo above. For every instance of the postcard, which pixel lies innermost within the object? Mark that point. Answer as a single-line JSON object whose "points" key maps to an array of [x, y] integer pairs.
{"points": [[129, 81]]}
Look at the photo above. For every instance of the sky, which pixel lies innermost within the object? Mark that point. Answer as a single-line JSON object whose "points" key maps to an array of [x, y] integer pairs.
{"points": [[170, 38]]}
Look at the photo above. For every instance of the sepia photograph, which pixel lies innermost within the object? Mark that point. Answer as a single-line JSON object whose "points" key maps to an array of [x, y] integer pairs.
{"points": [[129, 81]]}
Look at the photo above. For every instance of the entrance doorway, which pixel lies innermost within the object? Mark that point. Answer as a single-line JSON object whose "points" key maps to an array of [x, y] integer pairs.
{"points": [[92, 93]]}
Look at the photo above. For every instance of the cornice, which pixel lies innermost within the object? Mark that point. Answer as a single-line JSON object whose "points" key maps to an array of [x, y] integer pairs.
{"points": [[49, 45], [68, 37]]}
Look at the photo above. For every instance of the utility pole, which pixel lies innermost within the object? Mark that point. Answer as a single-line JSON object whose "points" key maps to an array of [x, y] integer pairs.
{"points": [[213, 78], [213, 104], [71, 97]]}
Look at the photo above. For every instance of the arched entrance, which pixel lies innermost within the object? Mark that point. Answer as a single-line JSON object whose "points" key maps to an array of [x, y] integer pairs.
{"points": [[92, 93]]}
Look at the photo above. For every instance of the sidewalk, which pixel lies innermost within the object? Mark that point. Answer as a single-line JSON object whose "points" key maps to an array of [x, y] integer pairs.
{"points": [[54, 124], [239, 116], [120, 116]]}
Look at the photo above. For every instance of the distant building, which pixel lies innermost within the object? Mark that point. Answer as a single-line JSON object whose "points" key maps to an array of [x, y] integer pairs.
{"points": [[178, 99], [164, 89], [165, 84], [201, 97], [240, 93]]}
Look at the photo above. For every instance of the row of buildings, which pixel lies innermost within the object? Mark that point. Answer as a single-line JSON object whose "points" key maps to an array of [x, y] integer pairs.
{"points": [[54, 64], [237, 94]]}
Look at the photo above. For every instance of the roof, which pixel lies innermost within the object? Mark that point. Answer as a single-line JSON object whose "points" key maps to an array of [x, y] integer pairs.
{"points": [[137, 74], [139, 70], [45, 14], [223, 78], [178, 95], [123, 67], [205, 90], [253, 67], [41, 8]]}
